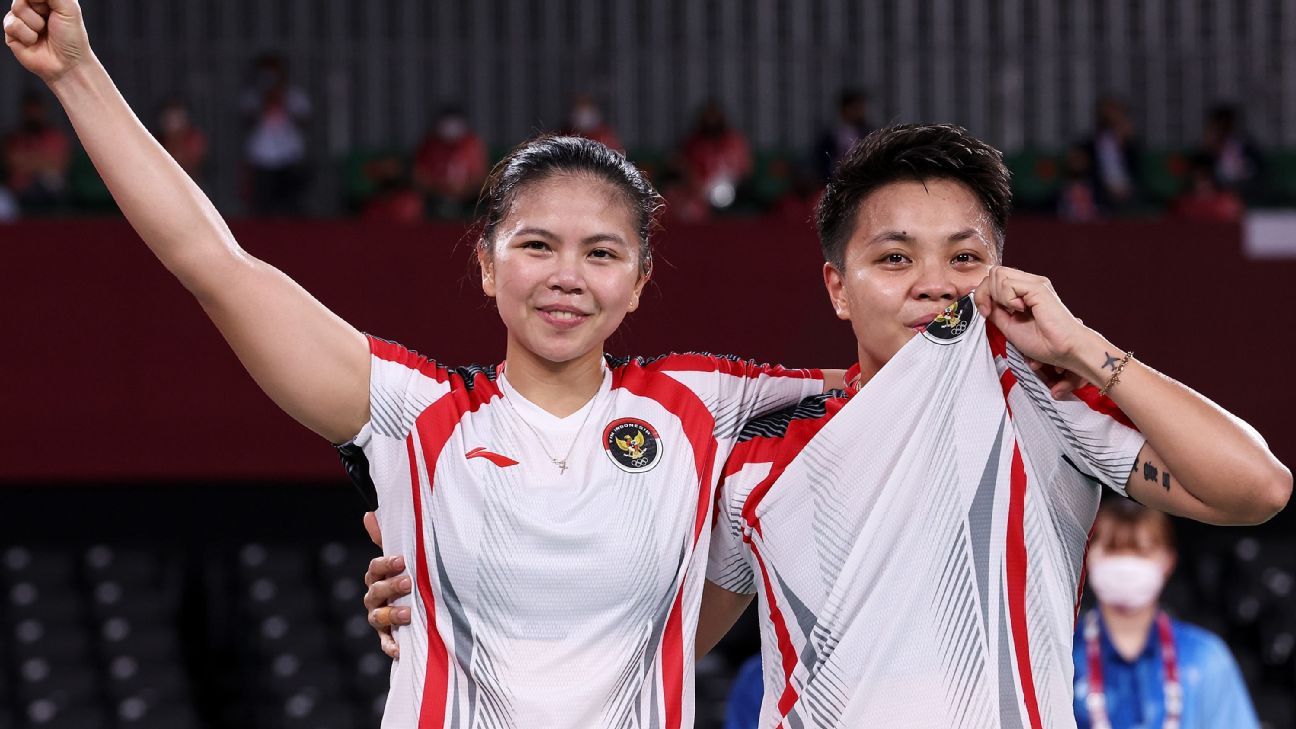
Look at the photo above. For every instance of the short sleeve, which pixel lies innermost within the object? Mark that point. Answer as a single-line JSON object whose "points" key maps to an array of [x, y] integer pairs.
{"points": [[736, 390], [1223, 700], [728, 563], [402, 384], [1087, 429]]}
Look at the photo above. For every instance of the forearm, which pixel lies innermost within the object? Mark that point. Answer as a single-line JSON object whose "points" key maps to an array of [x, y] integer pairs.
{"points": [[170, 213], [1219, 460]]}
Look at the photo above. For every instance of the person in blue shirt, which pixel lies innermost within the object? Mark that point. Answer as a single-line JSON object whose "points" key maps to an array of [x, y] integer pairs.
{"points": [[743, 705], [1136, 667]]}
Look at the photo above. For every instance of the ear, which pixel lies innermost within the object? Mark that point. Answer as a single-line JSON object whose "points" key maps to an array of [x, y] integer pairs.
{"points": [[486, 263], [638, 291], [836, 291]]}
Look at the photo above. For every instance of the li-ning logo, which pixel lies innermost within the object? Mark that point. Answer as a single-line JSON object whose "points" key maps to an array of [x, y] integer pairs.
{"points": [[632, 444], [952, 323]]}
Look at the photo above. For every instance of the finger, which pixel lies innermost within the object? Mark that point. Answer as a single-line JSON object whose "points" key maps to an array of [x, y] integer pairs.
{"points": [[19, 31], [380, 618], [371, 526], [981, 295], [381, 568], [1009, 292], [26, 14], [383, 618], [389, 644], [385, 591]]}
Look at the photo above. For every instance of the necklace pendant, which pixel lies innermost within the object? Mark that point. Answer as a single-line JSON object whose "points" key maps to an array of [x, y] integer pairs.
{"points": [[562, 465]]}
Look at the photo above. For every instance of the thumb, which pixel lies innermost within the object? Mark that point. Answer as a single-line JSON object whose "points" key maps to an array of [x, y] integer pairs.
{"points": [[66, 8], [371, 526]]}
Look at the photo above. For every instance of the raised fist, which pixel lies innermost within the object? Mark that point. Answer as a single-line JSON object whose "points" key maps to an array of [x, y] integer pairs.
{"points": [[47, 37]]}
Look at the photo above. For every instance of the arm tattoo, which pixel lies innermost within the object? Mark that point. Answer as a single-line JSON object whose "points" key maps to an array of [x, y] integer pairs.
{"points": [[1111, 362], [1153, 474]]}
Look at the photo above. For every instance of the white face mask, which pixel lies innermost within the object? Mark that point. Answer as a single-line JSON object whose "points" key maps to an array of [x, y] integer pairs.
{"points": [[1126, 581]]}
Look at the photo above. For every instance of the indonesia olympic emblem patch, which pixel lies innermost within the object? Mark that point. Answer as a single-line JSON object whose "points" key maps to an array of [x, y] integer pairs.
{"points": [[632, 444], [952, 323]]}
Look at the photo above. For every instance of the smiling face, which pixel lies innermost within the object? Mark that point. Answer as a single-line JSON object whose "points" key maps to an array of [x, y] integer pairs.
{"points": [[916, 247], [564, 268]]}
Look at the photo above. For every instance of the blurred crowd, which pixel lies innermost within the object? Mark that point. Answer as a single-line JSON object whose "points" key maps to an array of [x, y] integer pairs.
{"points": [[711, 171]]}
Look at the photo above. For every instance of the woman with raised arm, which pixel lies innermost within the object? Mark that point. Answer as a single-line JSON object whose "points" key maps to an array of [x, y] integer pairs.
{"points": [[554, 511]]}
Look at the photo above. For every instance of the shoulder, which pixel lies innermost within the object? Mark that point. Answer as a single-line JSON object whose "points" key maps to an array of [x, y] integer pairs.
{"points": [[812, 412], [468, 377], [726, 364], [1201, 647]]}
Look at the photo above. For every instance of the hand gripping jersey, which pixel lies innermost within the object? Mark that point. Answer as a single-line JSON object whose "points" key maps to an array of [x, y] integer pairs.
{"points": [[548, 597], [917, 547]]}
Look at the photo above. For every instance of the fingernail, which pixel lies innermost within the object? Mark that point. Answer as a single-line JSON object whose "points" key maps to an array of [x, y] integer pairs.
{"points": [[398, 562], [404, 583], [403, 613]]}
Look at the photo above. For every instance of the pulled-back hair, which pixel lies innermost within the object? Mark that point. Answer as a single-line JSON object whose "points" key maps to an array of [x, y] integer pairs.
{"points": [[917, 152], [549, 156]]}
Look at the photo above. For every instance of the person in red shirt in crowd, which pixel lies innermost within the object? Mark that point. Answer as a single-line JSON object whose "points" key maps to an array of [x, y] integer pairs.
{"points": [[185, 142], [37, 156], [1204, 199], [395, 198], [585, 119], [715, 156], [450, 164]]}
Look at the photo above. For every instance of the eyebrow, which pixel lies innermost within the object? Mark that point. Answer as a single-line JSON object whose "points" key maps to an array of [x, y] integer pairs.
{"points": [[588, 240], [903, 237]]}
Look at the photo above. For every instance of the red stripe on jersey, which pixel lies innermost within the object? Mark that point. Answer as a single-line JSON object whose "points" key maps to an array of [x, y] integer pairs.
{"points": [[1016, 566], [695, 362], [786, 448], [437, 675], [434, 427], [393, 352], [788, 698], [699, 427], [998, 342], [1103, 404]]}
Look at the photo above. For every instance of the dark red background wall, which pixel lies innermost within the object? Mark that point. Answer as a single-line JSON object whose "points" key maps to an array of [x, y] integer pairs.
{"points": [[111, 372]]}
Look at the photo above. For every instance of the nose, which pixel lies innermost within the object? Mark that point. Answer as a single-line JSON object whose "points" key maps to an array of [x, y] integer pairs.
{"points": [[567, 275], [934, 283]]}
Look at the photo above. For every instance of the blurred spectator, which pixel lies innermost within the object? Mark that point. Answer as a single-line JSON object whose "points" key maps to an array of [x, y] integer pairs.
{"points": [[177, 133], [450, 165], [1204, 198], [1134, 665], [685, 200], [1077, 201], [743, 705], [798, 203], [8, 206], [852, 125], [585, 119], [1114, 154], [1231, 154], [715, 157], [37, 156], [277, 112], [395, 198]]}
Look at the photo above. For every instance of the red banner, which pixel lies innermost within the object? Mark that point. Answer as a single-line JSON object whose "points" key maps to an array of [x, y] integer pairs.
{"points": [[112, 372]]}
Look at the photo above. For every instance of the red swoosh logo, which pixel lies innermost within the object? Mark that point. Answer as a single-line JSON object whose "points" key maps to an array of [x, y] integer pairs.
{"points": [[497, 459]]}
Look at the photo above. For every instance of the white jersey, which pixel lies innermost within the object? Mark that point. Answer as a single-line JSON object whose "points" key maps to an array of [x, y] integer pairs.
{"points": [[917, 547], [557, 562]]}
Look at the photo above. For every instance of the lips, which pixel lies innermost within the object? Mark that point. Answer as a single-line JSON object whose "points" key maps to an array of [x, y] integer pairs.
{"points": [[920, 325], [562, 317]]}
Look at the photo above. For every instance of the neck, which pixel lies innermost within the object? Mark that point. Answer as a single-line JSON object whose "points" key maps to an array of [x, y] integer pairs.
{"points": [[1129, 628], [560, 388]]}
